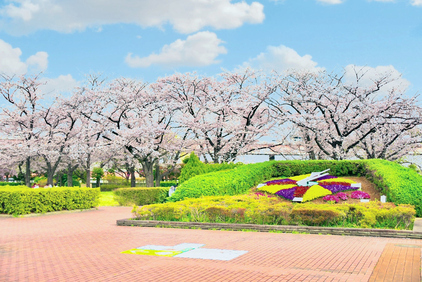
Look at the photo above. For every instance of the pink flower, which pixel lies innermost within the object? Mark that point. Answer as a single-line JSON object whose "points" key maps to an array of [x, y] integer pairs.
{"points": [[342, 196], [360, 195], [332, 198]]}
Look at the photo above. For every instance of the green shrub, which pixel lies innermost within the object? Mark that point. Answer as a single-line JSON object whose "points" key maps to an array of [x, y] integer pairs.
{"points": [[23, 200], [270, 210], [111, 187], [401, 185], [195, 167], [140, 196], [228, 182], [168, 183], [10, 184], [192, 168]]}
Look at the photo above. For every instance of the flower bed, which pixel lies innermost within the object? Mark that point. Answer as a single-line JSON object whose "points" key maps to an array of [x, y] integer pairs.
{"points": [[326, 185]]}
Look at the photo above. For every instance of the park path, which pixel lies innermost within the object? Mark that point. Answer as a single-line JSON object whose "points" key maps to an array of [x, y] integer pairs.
{"points": [[87, 246]]}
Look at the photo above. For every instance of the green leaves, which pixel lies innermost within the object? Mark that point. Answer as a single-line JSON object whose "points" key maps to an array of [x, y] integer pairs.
{"points": [[19, 201], [141, 196]]}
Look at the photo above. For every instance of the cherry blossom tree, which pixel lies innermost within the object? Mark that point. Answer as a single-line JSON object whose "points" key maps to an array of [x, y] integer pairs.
{"points": [[225, 116], [20, 117], [135, 118], [337, 117]]}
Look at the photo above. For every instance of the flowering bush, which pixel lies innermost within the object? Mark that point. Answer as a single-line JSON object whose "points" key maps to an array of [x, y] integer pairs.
{"points": [[342, 196], [360, 195], [328, 184], [331, 198]]}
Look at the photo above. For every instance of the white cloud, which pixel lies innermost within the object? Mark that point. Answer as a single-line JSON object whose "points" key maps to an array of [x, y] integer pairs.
{"points": [[371, 74], [416, 2], [200, 49], [11, 63], [39, 60], [331, 2], [186, 16], [281, 59], [55, 87]]}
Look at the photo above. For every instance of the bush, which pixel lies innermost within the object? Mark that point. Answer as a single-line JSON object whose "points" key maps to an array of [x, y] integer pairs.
{"points": [[192, 168], [195, 167], [23, 200], [140, 196], [111, 187], [168, 183], [269, 210], [229, 182], [11, 184]]}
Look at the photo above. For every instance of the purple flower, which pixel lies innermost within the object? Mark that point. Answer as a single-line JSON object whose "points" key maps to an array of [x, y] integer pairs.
{"points": [[287, 193], [360, 195], [334, 188]]}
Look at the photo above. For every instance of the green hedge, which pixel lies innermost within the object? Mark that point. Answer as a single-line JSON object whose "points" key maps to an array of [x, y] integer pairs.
{"points": [[270, 210], [168, 183], [140, 196], [401, 185], [228, 182], [23, 200], [112, 187], [195, 167], [10, 184]]}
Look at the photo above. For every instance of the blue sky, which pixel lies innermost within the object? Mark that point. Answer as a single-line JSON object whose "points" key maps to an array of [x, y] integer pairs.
{"points": [[147, 39]]}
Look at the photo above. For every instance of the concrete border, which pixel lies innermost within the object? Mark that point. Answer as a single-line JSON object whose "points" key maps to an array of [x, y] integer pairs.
{"points": [[391, 233]]}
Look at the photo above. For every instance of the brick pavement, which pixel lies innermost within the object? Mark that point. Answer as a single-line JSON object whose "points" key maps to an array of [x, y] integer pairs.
{"points": [[86, 246]]}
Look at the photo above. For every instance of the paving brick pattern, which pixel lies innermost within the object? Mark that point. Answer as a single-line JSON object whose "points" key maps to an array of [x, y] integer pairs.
{"points": [[398, 262], [87, 246]]}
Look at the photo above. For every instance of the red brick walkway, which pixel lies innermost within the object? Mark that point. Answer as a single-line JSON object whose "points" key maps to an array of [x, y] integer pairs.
{"points": [[86, 246]]}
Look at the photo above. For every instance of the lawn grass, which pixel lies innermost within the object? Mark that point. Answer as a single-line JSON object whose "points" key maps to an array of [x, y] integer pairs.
{"points": [[107, 199]]}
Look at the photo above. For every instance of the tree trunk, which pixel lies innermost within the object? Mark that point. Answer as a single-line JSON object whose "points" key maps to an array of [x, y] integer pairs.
{"points": [[149, 174], [59, 177], [132, 177], [157, 174], [69, 176], [70, 170], [28, 172], [50, 174], [88, 171], [97, 183]]}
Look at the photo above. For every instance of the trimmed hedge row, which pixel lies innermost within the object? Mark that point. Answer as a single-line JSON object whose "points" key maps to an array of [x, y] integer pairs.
{"points": [[112, 187], [270, 210], [10, 184], [140, 196], [401, 185], [23, 200]]}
